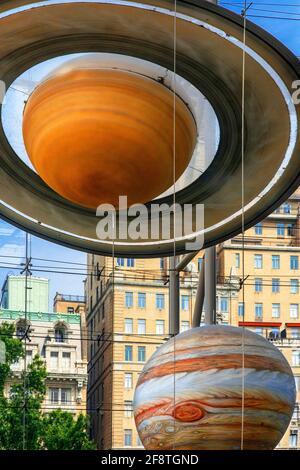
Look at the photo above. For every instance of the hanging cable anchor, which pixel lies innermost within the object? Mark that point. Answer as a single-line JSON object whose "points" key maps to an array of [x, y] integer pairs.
{"points": [[25, 335], [243, 12], [27, 267]]}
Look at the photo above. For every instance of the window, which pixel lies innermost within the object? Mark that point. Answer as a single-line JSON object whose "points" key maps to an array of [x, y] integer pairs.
{"points": [[128, 412], [128, 326], [28, 357], [275, 310], [275, 285], [294, 310], [258, 311], [127, 437], [141, 326], [295, 333], [275, 261], [21, 329], [296, 358], [60, 335], [200, 262], [294, 286], [296, 412], [241, 309], [237, 260], [65, 395], [160, 327], [280, 230], [141, 353], [274, 333], [66, 360], [138, 441], [160, 301], [294, 262], [120, 261], [101, 364], [184, 302], [129, 299], [70, 310], [128, 380], [97, 293], [130, 262], [258, 229], [286, 208], [54, 359], [141, 300], [184, 326], [224, 304], [258, 286], [162, 263], [293, 440], [258, 261], [53, 395], [128, 353], [92, 326], [297, 382], [291, 230]]}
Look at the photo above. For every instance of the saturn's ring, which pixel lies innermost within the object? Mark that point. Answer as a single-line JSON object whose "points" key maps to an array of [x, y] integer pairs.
{"points": [[252, 172]]}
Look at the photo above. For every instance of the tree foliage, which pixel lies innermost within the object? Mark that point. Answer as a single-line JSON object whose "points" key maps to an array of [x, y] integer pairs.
{"points": [[14, 351], [23, 425], [62, 432]]}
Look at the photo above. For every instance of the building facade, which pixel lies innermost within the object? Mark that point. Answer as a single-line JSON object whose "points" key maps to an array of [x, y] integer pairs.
{"points": [[63, 303], [127, 315], [13, 293], [267, 261], [59, 339], [127, 320]]}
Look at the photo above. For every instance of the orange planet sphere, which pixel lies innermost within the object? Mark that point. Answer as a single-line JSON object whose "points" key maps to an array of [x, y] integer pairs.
{"points": [[94, 135]]}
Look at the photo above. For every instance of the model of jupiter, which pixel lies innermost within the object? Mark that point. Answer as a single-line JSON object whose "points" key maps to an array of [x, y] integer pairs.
{"points": [[214, 387]]}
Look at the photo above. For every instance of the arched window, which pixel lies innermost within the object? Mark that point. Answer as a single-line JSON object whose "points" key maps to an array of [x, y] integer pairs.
{"points": [[21, 328], [60, 333]]}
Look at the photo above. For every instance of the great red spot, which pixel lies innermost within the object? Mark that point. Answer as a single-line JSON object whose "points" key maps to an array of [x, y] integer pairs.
{"points": [[188, 412]]}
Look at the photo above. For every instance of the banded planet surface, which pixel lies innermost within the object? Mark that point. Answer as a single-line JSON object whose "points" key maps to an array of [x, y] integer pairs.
{"points": [[95, 134], [193, 389]]}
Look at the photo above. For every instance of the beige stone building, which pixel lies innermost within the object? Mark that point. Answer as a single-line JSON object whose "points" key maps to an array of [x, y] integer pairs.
{"points": [[60, 339], [127, 315], [127, 319], [267, 259]]}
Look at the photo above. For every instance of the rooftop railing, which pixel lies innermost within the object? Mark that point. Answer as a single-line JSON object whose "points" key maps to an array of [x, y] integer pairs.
{"points": [[70, 298]]}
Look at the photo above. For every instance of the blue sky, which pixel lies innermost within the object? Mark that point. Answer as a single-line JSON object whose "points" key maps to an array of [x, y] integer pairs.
{"points": [[12, 240], [287, 31]]}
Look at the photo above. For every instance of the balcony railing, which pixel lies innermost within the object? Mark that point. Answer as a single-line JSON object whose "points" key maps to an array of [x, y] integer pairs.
{"points": [[70, 298], [285, 211]]}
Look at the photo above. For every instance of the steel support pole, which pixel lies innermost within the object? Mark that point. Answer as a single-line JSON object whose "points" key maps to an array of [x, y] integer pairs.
{"points": [[210, 286], [185, 261], [173, 297], [199, 301]]}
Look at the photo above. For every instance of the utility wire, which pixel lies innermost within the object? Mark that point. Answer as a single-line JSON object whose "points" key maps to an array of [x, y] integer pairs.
{"points": [[241, 3], [274, 17]]}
